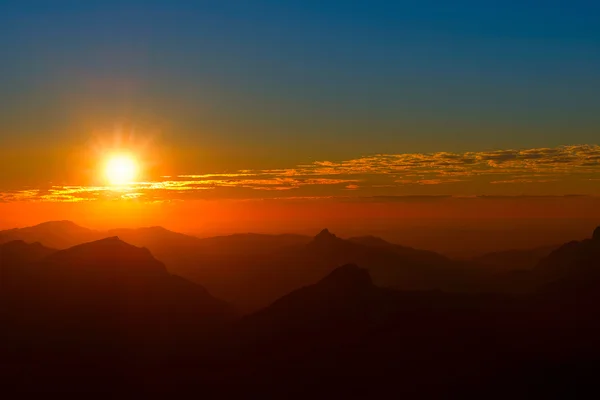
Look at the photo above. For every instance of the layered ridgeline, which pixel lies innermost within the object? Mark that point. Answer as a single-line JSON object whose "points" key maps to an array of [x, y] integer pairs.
{"points": [[108, 314], [346, 333], [251, 271]]}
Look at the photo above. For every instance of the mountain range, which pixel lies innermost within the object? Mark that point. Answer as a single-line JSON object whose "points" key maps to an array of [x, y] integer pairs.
{"points": [[108, 315], [251, 271]]}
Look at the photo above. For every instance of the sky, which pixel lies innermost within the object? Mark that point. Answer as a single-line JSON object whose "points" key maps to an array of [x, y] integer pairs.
{"points": [[322, 101]]}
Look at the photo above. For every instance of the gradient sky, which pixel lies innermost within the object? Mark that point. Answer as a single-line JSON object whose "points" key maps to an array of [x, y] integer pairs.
{"points": [[303, 99]]}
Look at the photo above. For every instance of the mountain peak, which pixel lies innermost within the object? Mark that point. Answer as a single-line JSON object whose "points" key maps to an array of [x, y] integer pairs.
{"points": [[596, 235], [110, 239], [370, 240], [18, 250], [64, 224], [349, 276], [325, 236], [110, 254]]}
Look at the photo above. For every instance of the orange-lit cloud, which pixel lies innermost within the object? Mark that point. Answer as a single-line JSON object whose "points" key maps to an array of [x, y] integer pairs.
{"points": [[556, 171]]}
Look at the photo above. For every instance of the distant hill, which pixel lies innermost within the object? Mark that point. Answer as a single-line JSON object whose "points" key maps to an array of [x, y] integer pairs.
{"points": [[162, 241], [154, 237], [54, 234]]}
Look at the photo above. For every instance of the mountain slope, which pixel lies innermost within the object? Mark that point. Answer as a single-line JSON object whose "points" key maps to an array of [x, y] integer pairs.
{"points": [[19, 252], [252, 280], [521, 259], [422, 255], [574, 264], [105, 298], [392, 265]]}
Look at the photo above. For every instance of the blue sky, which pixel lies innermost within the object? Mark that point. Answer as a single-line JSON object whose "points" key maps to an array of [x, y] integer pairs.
{"points": [[264, 84]]}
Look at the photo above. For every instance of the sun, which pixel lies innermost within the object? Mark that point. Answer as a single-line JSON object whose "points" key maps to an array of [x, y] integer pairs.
{"points": [[121, 169]]}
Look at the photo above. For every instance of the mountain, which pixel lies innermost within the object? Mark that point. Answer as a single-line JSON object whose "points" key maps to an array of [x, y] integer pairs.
{"points": [[346, 293], [16, 259], [517, 259], [393, 265], [107, 314], [251, 243], [155, 238], [105, 299], [575, 264], [19, 252], [54, 234], [423, 255], [251, 278], [132, 274], [253, 270], [160, 240], [345, 326]]}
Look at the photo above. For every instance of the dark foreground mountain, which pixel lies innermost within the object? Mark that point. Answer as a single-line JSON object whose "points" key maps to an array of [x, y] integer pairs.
{"points": [[101, 299], [19, 252]]}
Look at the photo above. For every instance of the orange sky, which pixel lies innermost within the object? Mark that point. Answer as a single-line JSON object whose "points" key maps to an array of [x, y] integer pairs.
{"points": [[173, 191], [76, 173]]}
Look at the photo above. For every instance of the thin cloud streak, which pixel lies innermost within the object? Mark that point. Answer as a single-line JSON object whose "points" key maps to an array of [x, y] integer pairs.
{"points": [[398, 174]]}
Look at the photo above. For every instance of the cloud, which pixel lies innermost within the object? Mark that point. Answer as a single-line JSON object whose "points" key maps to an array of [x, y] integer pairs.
{"points": [[523, 180], [373, 174]]}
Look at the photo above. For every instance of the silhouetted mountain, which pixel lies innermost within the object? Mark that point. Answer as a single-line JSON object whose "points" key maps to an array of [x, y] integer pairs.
{"points": [[251, 279], [252, 270], [54, 234], [162, 241], [251, 243], [108, 258], [574, 264], [345, 326], [108, 314], [346, 294], [19, 252], [510, 260], [348, 279], [155, 238], [423, 255], [393, 265], [16, 259], [105, 298], [132, 273]]}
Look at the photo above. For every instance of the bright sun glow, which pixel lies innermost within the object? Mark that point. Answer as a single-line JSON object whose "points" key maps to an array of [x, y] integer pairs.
{"points": [[121, 170]]}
